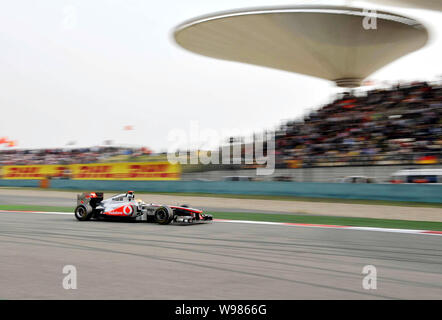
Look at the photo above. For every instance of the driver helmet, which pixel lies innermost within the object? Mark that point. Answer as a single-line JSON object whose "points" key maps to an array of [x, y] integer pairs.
{"points": [[130, 195]]}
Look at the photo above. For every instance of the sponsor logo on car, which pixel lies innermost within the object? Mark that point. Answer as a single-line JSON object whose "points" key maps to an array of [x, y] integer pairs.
{"points": [[125, 210]]}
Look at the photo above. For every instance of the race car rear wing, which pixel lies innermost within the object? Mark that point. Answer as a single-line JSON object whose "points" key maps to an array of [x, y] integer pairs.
{"points": [[91, 198]]}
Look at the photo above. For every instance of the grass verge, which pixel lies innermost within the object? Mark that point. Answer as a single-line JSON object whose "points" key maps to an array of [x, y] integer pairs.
{"points": [[293, 218]]}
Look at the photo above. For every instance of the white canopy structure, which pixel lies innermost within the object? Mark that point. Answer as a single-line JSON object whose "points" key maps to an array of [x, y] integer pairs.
{"points": [[422, 4], [328, 42]]}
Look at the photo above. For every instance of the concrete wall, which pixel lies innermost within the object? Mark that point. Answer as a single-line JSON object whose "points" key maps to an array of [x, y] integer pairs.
{"points": [[323, 174], [395, 192]]}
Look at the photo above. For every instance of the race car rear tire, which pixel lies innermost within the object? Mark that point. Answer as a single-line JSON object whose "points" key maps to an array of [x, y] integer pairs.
{"points": [[83, 213], [163, 215]]}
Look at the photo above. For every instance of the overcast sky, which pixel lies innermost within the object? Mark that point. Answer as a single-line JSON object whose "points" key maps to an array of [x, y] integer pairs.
{"points": [[81, 70]]}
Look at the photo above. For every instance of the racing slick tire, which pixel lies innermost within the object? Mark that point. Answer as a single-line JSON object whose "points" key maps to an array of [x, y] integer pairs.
{"points": [[163, 215], [83, 213]]}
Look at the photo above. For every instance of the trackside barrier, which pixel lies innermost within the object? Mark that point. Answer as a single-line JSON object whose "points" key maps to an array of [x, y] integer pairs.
{"points": [[394, 192]]}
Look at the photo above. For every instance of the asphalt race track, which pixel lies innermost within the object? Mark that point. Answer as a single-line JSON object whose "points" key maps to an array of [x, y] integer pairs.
{"points": [[38, 200], [220, 260]]}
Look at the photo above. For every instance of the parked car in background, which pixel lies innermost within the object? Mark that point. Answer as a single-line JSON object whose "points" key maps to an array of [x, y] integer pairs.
{"points": [[238, 178], [283, 178], [417, 176], [356, 179]]}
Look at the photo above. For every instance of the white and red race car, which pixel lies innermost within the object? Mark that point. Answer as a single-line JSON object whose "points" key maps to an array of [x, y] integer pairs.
{"points": [[125, 207]]}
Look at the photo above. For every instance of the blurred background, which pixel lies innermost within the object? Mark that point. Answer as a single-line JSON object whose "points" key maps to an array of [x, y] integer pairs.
{"points": [[106, 82]]}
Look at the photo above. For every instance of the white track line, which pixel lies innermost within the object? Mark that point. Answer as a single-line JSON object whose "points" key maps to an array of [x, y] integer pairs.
{"points": [[305, 225]]}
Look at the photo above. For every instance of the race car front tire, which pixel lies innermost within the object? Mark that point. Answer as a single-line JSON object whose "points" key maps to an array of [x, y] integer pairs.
{"points": [[163, 215], [83, 213]]}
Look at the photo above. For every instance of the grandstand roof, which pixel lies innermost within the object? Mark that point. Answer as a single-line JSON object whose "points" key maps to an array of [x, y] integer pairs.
{"points": [[423, 4], [328, 42]]}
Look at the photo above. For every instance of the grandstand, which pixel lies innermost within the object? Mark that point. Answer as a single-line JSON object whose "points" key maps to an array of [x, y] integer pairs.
{"points": [[402, 124], [74, 155], [398, 125]]}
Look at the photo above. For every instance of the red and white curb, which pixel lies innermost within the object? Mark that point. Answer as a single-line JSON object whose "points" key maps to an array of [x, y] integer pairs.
{"points": [[308, 225]]}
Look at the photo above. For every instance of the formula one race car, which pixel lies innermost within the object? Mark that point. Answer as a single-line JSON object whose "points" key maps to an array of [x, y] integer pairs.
{"points": [[125, 207]]}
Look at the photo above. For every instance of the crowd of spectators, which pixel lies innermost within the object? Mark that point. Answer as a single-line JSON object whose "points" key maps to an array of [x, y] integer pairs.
{"points": [[66, 155], [395, 123], [402, 122]]}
